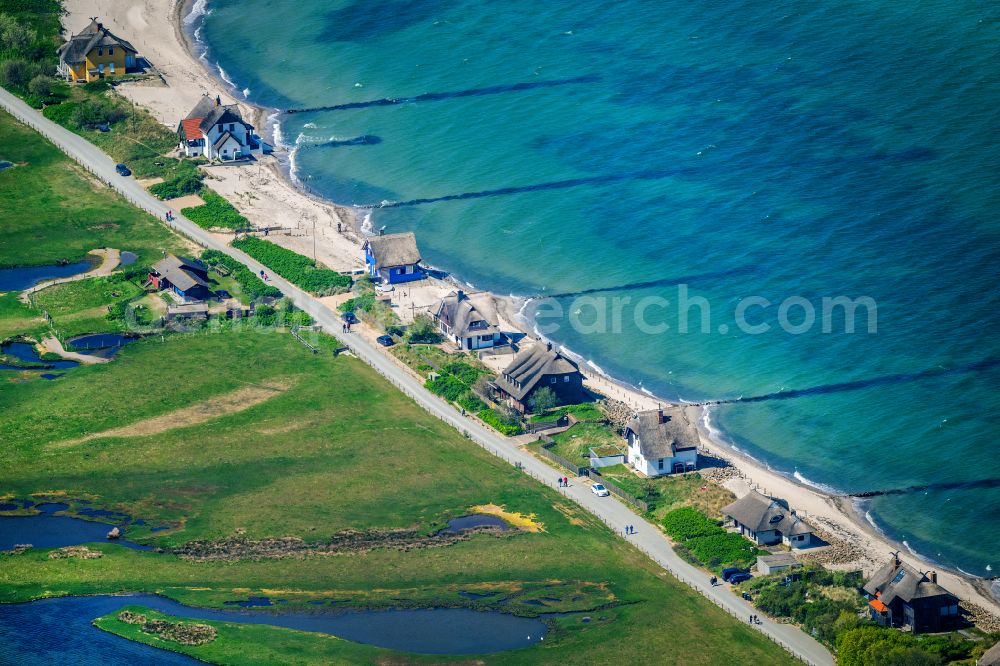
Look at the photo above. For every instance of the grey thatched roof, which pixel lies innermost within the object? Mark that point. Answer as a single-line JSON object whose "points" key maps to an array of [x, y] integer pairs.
{"points": [[467, 314], [75, 50], [211, 111], [664, 432], [394, 249], [898, 580], [520, 377], [761, 513], [182, 272]]}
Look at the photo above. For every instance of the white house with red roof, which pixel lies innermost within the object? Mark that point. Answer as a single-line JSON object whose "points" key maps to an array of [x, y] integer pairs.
{"points": [[217, 131]]}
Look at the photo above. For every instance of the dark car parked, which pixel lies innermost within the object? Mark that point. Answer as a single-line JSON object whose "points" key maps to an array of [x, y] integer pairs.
{"points": [[732, 571], [122, 170], [736, 579], [349, 318], [385, 340]]}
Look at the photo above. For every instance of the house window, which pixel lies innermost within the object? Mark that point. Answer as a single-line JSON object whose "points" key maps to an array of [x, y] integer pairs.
{"points": [[112, 67], [100, 69], [566, 378], [100, 52], [659, 464], [111, 50], [554, 380]]}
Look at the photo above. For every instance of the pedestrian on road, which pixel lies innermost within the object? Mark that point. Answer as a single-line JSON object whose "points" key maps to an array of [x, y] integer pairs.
{"points": [[559, 482], [566, 482]]}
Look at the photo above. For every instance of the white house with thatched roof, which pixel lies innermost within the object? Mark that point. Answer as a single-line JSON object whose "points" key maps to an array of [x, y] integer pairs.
{"points": [[766, 520], [662, 441], [468, 320], [393, 258]]}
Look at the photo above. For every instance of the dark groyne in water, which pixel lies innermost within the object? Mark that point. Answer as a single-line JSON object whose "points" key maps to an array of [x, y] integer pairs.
{"points": [[438, 96], [857, 385]]}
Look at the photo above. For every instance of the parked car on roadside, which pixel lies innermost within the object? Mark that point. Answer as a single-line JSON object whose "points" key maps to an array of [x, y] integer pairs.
{"points": [[736, 579], [599, 490], [732, 571], [349, 318], [385, 340], [122, 170]]}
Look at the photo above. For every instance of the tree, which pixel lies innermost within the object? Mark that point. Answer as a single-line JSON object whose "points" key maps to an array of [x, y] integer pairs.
{"points": [[40, 86], [16, 72], [507, 416], [543, 400], [14, 36], [423, 329]]}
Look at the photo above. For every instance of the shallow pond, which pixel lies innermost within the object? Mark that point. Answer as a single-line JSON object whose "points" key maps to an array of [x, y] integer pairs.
{"points": [[126, 258], [4, 164], [59, 630], [47, 530], [474, 521], [26, 352], [104, 345], [19, 279]]}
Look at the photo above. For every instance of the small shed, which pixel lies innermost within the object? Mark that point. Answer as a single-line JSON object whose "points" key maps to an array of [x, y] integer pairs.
{"points": [[769, 564], [606, 456]]}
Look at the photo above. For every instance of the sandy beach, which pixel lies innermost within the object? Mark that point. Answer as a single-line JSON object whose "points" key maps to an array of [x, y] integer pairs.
{"points": [[265, 195]]}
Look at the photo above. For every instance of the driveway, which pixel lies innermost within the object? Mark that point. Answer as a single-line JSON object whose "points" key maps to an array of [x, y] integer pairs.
{"points": [[648, 538]]}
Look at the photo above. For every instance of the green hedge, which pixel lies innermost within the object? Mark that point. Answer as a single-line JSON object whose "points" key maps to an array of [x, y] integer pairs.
{"points": [[216, 212], [688, 523], [490, 417], [179, 186], [253, 287], [703, 539], [294, 267]]}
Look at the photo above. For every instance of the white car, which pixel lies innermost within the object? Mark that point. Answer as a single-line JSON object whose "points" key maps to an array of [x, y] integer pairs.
{"points": [[599, 490]]}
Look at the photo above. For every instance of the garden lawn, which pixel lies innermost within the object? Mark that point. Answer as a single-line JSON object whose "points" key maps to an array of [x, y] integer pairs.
{"points": [[575, 444], [52, 207], [326, 445], [16, 318], [665, 493], [81, 307]]}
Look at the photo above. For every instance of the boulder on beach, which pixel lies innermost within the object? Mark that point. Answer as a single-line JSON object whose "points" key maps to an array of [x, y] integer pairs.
{"points": [[114, 533]]}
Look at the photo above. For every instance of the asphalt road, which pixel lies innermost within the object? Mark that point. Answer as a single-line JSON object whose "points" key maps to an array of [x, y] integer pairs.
{"points": [[647, 538]]}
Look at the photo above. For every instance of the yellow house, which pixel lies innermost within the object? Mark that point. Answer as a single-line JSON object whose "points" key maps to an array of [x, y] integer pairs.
{"points": [[94, 54]]}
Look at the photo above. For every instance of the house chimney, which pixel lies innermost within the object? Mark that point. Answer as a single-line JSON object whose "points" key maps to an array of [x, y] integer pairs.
{"points": [[933, 577], [461, 294], [218, 101], [659, 414]]}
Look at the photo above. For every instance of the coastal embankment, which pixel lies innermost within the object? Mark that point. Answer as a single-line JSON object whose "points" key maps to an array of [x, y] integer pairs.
{"points": [[277, 199]]}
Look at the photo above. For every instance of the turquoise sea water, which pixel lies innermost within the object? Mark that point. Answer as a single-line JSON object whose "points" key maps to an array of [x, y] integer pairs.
{"points": [[743, 149]]}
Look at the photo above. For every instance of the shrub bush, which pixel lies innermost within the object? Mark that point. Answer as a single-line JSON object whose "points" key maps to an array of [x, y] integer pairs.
{"points": [[217, 212], [94, 112], [500, 422], [179, 186], [688, 523], [423, 330], [61, 114], [17, 72], [40, 86], [723, 549], [294, 267]]}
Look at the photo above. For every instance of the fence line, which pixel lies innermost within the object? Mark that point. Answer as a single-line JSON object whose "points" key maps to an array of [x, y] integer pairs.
{"points": [[451, 419]]}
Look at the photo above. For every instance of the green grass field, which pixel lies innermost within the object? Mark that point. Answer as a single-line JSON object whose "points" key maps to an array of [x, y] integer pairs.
{"points": [[240, 432], [51, 209], [333, 447]]}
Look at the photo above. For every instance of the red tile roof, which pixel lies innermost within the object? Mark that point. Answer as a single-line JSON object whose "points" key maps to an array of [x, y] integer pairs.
{"points": [[878, 605], [191, 128]]}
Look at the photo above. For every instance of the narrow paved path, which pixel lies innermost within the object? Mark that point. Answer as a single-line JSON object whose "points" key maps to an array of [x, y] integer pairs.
{"points": [[649, 539]]}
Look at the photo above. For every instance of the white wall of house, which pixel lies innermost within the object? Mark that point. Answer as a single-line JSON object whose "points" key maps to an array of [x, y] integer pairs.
{"points": [[797, 540], [659, 466], [606, 461]]}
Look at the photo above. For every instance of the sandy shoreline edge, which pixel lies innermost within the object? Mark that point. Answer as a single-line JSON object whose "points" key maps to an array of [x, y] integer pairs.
{"points": [[187, 76]]}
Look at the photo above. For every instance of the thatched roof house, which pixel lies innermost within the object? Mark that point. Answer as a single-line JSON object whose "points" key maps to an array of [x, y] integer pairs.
{"points": [[469, 320], [393, 258], [537, 367], [662, 441], [766, 520], [901, 596]]}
